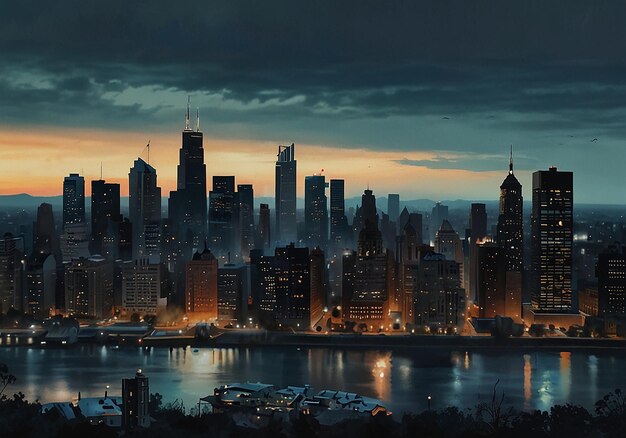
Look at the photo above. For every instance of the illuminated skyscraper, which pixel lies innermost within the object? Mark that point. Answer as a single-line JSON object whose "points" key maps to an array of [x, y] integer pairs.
{"points": [[144, 208], [187, 208], [285, 195], [552, 232], [510, 221], [223, 216], [338, 221], [245, 198], [201, 285], [73, 199]]}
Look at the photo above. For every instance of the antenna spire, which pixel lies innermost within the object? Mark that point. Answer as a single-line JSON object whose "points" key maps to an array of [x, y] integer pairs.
{"points": [[197, 119], [187, 114], [148, 147], [100, 170], [511, 161]]}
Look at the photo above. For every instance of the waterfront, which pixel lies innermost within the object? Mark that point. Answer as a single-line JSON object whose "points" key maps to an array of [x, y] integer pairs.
{"points": [[529, 379]]}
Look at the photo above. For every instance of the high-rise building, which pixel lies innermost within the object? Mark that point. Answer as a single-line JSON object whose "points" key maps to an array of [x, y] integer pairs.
{"points": [[415, 219], [369, 290], [440, 299], [73, 199], [144, 211], [491, 280], [263, 235], [187, 207], [41, 284], [393, 206], [318, 282], [245, 197], [144, 287], [74, 241], [201, 285], [11, 253], [233, 291], [285, 195], [448, 243], [338, 220], [46, 238], [315, 210], [552, 233], [223, 215], [89, 287], [510, 235], [438, 214], [477, 235], [611, 274], [293, 286], [105, 207]]}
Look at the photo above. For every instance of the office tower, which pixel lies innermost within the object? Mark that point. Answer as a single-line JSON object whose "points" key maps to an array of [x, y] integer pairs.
{"points": [[117, 243], [369, 301], [510, 235], [143, 286], [315, 210], [11, 253], [491, 280], [46, 239], [201, 285], [263, 285], [293, 286], [73, 199], [552, 230], [438, 214], [440, 300], [41, 284], [285, 195], [338, 220], [477, 235], [187, 207], [415, 219], [223, 216], [245, 197], [318, 283], [263, 234], [233, 292], [611, 274], [135, 402], [393, 206], [89, 287], [144, 211], [105, 207]]}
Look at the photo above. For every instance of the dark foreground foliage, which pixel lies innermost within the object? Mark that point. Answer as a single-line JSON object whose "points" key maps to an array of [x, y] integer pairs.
{"points": [[19, 418]]}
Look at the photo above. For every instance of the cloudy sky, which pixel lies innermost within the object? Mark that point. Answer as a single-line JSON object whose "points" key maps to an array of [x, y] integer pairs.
{"points": [[420, 98]]}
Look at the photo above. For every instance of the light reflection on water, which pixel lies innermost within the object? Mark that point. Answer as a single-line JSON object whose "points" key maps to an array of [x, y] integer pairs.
{"points": [[530, 380]]}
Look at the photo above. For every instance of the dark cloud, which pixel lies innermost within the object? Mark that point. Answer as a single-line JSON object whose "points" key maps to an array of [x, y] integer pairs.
{"points": [[396, 75]]}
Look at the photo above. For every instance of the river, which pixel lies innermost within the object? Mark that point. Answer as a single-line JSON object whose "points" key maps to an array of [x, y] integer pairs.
{"points": [[529, 380]]}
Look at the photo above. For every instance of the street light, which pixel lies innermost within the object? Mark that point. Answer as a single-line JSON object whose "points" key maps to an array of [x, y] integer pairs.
{"points": [[429, 399]]}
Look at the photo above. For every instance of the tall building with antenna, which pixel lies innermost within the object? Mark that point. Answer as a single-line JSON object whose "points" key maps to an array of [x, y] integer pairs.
{"points": [[187, 207], [285, 196], [510, 220]]}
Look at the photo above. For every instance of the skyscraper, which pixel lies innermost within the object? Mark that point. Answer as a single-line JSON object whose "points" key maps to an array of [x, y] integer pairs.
{"points": [[143, 287], [11, 253], [105, 207], [89, 287], [477, 235], [73, 199], [144, 208], [552, 232], [223, 217], [285, 195], [338, 221], [393, 206], [315, 210], [263, 234], [245, 197], [187, 207], [510, 221], [491, 281], [293, 286]]}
